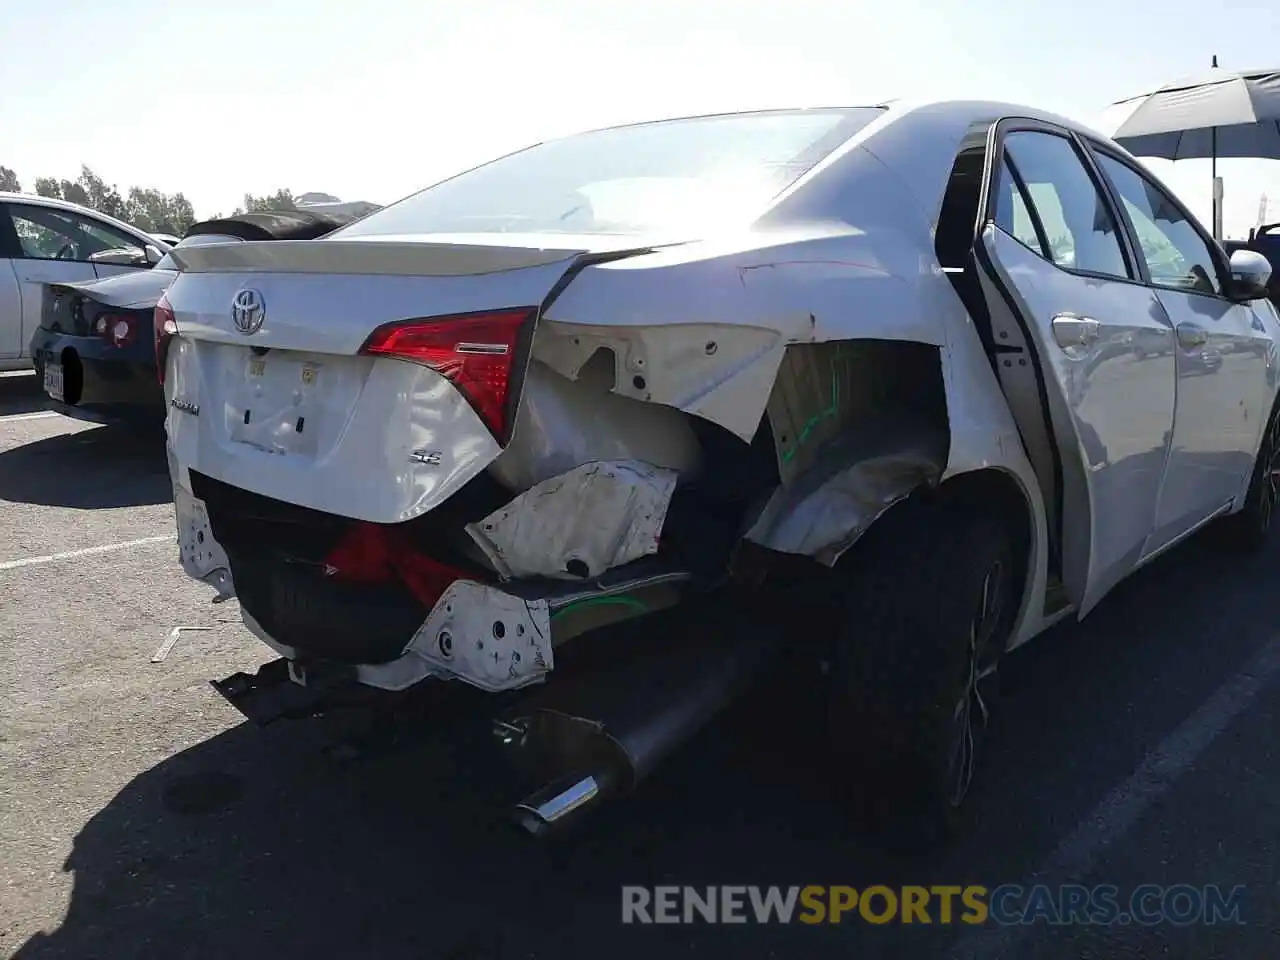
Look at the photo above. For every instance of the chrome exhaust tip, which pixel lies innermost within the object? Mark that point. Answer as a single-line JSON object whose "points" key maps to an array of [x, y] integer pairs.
{"points": [[557, 802]]}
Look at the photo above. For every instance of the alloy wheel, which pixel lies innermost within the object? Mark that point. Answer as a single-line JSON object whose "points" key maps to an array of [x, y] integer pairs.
{"points": [[1270, 491], [973, 708]]}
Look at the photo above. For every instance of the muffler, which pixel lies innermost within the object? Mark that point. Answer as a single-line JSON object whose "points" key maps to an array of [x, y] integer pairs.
{"points": [[598, 729]]}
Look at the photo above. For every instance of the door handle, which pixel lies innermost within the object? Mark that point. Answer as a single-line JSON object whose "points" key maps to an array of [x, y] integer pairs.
{"points": [[1192, 335], [1072, 331]]}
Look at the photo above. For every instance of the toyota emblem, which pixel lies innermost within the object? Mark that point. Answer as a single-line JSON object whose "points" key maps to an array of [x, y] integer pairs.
{"points": [[248, 311]]}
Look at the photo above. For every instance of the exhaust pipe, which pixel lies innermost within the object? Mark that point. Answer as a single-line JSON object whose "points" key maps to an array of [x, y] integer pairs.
{"points": [[597, 732], [549, 807]]}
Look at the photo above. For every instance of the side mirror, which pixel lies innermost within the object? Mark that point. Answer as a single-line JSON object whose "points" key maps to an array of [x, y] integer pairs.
{"points": [[153, 254], [1250, 274]]}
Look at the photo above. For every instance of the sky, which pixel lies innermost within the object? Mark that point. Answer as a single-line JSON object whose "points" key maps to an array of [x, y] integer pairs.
{"points": [[375, 99]]}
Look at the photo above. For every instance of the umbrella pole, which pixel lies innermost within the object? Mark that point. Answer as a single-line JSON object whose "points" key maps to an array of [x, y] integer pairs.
{"points": [[1217, 186]]}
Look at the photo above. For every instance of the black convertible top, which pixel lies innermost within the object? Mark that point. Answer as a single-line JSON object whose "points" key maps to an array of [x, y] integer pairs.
{"points": [[269, 225]]}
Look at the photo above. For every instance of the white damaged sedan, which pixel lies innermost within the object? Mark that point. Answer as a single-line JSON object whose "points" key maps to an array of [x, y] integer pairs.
{"points": [[605, 425]]}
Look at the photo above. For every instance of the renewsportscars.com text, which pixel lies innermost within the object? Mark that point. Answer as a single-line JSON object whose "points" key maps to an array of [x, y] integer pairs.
{"points": [[1069, 904]]}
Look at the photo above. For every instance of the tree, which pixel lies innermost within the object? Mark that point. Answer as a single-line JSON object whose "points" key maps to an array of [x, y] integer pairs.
{"points": [[146, 208], [282, 199], [48, 187], [99, 195], [158, 212]]}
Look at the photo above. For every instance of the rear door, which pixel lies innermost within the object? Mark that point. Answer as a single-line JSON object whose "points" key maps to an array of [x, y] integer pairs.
{"points": [[1223, 354], [49, 251], [1065, 274]]}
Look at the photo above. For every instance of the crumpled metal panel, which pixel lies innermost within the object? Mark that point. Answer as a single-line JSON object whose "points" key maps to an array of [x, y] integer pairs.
{"points": [[857, 479], [580, 524], [488, 638], [563, 423]]}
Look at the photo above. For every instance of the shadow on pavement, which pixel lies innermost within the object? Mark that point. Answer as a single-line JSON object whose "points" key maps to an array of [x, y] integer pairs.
{"points": [[20, 393], [110, 466], [254, 845]]}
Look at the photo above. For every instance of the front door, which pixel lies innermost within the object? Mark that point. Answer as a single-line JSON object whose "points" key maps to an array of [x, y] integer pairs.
{"points": [[1103, 345], [1223, 353]]}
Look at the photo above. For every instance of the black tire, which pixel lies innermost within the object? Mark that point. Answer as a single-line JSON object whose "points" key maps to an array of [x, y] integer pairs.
{"points": [[1247, 530], [929, 600]]}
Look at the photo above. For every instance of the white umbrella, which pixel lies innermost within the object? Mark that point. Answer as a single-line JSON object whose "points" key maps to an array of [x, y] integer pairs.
{"points": [[1222, 113]]}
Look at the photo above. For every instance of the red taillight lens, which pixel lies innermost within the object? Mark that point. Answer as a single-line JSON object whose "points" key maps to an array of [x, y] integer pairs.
{"points": [[118, 329], [374, 553], [166, 328], [476, 352]]}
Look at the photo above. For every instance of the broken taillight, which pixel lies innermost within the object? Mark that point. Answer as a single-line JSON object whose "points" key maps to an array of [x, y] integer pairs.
{"points": [[376, 553], [475, 352], [166, 328], [117, 329]]}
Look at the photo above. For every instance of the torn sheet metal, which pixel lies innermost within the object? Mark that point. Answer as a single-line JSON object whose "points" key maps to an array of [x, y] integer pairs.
{"points": [[488, 638], [202, 556], [563, 423], [580, 524], [858, 478], [719, 372]]}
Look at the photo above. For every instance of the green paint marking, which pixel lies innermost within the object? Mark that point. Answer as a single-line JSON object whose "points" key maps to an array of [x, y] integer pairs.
{"points": [[821, 415], [619, 601]]}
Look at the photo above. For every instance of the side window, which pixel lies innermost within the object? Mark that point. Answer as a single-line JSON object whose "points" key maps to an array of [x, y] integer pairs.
{"points": [[1176, 253], [45, 233], [1077, 222], [1012, 214], [112, 242]]}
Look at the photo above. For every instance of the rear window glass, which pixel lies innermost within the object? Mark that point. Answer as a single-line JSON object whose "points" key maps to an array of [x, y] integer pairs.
{"points": [[670, 176]]}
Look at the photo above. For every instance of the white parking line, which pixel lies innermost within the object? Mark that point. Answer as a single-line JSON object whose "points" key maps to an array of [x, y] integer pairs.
{"points": [[1111, 819], [15, 417], [86, 552]]}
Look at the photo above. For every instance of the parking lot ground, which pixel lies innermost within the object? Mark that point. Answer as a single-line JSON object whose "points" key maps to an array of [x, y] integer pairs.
{"points": [[140, 817]]}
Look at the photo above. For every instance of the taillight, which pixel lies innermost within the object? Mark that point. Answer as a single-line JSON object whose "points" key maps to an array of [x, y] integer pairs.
{"points": [[118, 329], [476, 352], [166, 328]]}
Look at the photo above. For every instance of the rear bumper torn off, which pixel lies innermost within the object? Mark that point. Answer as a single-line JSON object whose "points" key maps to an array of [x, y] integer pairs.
{"points": [[202, 557]]}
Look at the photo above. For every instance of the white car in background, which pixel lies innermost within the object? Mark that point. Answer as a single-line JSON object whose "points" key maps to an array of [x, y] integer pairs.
{"points": [[606, 422], [45, 241]]}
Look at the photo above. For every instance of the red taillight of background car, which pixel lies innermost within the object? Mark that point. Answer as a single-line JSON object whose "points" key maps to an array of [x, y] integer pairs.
{"points": [[118, 329], [476, 352], [166, 328]]}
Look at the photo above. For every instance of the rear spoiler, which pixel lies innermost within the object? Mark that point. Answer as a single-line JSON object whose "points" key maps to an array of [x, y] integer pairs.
{"points": [[367, 257], [270, 225]]}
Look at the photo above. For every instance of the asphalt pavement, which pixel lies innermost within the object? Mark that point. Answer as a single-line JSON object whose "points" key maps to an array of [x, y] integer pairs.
{"points": [[139, 817]]}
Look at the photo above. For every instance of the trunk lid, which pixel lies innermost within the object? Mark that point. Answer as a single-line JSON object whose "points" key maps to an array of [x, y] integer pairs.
{"points": [[285, 405]]}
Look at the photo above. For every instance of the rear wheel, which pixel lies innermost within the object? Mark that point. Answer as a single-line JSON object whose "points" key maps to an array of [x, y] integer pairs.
{"points": [[930, 597], [1248, 528]]}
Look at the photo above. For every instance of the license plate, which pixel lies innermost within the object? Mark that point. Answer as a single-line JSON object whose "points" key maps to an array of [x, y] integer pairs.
{"points": [[257, 368], [53, 381]]}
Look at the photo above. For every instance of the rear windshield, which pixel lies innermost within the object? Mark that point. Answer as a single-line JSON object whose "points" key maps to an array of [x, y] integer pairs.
{"points": [[670, 176]]}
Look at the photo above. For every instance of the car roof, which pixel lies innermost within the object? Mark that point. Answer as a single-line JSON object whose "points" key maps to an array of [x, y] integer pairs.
{"points": [[894, 108], [35, 200]]}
